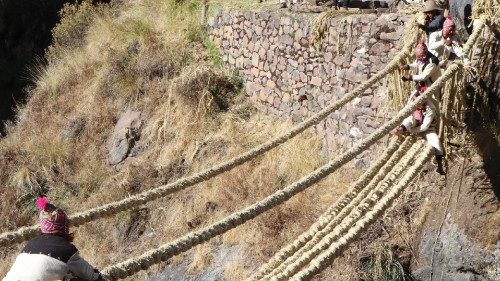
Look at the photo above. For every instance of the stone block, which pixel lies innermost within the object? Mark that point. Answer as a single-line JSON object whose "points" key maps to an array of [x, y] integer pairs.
{"points": [[393, 36], [255, 72], [255, 59], [271, 84], [286, 40], [316, 81], [286, 97]]}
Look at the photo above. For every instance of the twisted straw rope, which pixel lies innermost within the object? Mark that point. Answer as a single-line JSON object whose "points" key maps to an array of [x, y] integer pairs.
{"points": [[322, 261], [334, 230], [186, 242], [341, 204], [25, 233]]}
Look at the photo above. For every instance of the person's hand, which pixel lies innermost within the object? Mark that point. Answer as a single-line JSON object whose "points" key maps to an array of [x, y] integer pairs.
{"points": [[404, 67], [406, 78], [447, 42], [399, 132]]}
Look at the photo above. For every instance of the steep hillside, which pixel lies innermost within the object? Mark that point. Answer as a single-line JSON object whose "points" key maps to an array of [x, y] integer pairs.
{"points": [[135, 96], [149, 57]]}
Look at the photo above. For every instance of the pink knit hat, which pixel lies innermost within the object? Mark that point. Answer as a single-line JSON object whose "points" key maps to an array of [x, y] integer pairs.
{"points": [[52, 219], [421, 51], [448, 27]]}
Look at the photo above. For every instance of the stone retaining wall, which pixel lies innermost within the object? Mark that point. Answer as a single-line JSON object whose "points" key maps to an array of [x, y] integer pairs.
{"points": [[273, 55]]}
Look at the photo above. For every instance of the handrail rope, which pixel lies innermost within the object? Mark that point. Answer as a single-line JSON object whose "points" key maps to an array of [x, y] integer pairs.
{"points": [[352, 200], [322, 260], [334, 229], [395, 151], [25, 233], [467, 47], [184, 243]]}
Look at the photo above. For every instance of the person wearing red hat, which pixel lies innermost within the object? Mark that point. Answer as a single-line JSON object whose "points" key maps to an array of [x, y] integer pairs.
{"points": [[422, 120], [445, 45], [51, 255]]}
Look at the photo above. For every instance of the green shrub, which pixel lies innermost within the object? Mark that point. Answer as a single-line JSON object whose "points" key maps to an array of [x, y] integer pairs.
{"points": [[213, 52]]}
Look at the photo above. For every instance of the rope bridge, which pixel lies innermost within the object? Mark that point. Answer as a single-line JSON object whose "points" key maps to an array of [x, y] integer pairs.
{"points": [[25, 233], [364, 202]]}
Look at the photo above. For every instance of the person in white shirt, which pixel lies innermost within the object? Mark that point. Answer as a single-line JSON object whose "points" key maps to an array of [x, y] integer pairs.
{"points": [[51, 256], [423, 119], [445, 45]]}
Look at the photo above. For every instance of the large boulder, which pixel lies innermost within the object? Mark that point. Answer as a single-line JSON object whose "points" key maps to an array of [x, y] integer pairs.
{"points": [[127, 131], [451, 256]]}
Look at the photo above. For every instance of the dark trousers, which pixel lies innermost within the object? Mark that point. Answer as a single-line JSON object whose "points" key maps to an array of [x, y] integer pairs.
{"points": [[345, 3]]}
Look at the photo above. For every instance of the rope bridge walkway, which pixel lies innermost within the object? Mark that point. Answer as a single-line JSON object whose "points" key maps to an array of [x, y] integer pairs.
{"points": [[364, 202]]}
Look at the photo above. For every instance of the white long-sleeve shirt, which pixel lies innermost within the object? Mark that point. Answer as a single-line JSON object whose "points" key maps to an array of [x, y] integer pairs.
{"points": [[39, 267], [442, 51], [426, 72], [430, 113], [49, 258]]}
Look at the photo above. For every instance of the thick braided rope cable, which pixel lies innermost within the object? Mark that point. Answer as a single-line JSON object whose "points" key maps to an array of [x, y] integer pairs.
{"points": [[329, 222], [334, 230], [188, 241], [25, 233], [322, 261], [395, 151]]}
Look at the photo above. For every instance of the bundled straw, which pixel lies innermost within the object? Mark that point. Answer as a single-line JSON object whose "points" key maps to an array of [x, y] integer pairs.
{"points": [[488, 8]]}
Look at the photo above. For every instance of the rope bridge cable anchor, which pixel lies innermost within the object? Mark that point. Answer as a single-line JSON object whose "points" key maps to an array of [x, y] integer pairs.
{"points": [[182, 244], [334, 229], [25, 233], [323, 260], [395, 151]]}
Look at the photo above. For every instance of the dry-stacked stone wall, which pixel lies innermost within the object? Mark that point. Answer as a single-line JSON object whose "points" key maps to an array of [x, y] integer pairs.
{"points": [[272, 53]]}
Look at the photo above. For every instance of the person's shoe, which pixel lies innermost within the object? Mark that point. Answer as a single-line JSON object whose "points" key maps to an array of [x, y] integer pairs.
{"points": [[440, 168]]}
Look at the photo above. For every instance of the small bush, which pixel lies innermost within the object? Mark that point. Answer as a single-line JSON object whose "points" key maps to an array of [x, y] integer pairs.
{"points": [[213, 53], [385, 267], [70, 33]]}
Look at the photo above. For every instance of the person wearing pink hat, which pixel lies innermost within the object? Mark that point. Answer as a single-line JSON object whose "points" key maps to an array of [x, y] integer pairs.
{"points": [[445, 45], [51, 255], [422, 120]]}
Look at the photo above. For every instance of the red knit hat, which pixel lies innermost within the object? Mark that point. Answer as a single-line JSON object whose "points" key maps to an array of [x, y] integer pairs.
{"points": [[52, 219], [421, 51], [448, 27]]}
